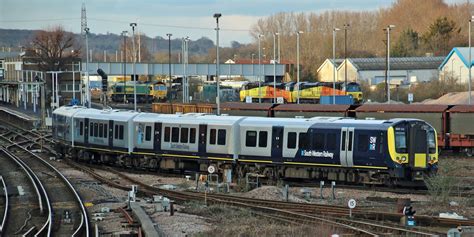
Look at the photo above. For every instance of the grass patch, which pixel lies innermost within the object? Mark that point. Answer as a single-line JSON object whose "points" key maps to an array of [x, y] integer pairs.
{"points": [[441, 185], [233, 221]]}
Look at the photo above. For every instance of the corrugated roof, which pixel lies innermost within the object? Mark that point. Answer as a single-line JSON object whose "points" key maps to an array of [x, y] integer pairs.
{"points": [[462, 109], [311, 108], [8, 54], [404, 63], [415, 108]]}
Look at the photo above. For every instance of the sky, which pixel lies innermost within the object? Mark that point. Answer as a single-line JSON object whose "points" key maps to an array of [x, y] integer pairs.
{"points": [[181, 18]]}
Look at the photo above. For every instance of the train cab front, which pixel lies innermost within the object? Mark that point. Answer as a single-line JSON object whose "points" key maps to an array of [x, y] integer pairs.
{"points": [[413, 149]]}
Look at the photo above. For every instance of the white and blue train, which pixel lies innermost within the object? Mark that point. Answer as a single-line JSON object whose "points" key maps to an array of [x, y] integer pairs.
{"points": [[343, 149]]}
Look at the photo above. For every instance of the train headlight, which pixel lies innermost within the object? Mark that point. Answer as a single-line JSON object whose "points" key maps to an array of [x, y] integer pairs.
{"points": [[404, 158]]}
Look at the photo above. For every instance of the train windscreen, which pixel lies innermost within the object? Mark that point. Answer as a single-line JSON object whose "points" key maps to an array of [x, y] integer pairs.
{"points": [[353, 88], [400, 140]]}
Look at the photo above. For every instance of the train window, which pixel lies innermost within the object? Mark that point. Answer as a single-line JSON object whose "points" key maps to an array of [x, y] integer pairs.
{"points": [[96, 129], [221, 137], [91, 129], [81, 127], [363, 143], [400, 142], [121, 132], [116, 131], [431, 142], [351, 137], [101, 130], [251, 139], [262, 138], [331, 141], [192, 135], [303, 140], [318, 141], [212, 137], [184, 135], [343, 141], [291, 144], [147, 133], [175, 134], [105, 131], [167, 134]]}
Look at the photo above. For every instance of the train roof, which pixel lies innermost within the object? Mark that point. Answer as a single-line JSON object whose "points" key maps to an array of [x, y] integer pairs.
{"points": [[189, 118], [68, 111], [116, 115]]}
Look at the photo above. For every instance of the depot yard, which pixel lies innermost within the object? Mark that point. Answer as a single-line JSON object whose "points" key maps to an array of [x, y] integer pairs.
{"points": [[195, 219]]}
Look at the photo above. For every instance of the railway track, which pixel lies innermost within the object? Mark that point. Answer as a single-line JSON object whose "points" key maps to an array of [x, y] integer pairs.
{"points": [[68, 216], [293, 212], [334, 216], [26, 208]]}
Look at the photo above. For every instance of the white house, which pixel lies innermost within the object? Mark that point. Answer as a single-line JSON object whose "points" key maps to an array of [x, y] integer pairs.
{"points": [[456, 64], [403, 70]]}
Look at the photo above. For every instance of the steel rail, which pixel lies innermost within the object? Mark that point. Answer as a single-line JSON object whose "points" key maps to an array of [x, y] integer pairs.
{"points": [[48, 226], [5, 212], [84, 217]]}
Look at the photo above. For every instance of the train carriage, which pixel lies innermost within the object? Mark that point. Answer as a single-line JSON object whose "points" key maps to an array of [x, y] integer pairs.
{"points": [[106, 130], [193, 135], [334, 148]]}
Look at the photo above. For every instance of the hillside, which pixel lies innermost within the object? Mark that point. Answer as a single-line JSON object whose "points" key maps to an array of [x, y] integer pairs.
{"points": [[110, 42]]}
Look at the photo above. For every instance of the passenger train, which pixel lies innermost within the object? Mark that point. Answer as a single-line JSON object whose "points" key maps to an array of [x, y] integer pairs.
{"points": [[395, 151]]}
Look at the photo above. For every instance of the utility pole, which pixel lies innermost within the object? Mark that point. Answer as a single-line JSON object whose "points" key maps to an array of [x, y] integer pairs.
{"points": [[134, 55], [169, 68], [124, 34], [218, 101], [345, 57], [43, 101]]}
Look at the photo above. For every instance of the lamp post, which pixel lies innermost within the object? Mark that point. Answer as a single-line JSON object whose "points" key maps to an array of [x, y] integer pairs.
{"points": [[345, 57], [274, 66], [298, 66], [185, 62], [470, 61], [169, 69], [88, 89], [389, 27], [124, 34], [334, 30], [252, 57], [218, 102], [259, 68], [133, 25]]}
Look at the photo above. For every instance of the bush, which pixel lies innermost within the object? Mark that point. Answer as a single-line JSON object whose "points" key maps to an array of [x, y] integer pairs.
{"points": [[441, 185], [422, 91]]}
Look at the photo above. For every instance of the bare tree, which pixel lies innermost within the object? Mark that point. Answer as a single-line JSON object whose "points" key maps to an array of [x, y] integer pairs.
{"points": [[54, 49]]}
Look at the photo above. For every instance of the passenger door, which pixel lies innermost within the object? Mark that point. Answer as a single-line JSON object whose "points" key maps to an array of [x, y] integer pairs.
{"points": [[111, 134], [277, 141], [346, 153], [86, 131], [157, 137], [202, 138]]}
